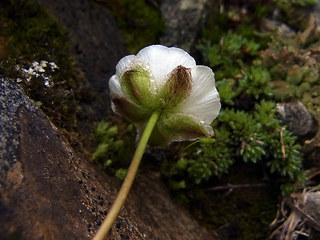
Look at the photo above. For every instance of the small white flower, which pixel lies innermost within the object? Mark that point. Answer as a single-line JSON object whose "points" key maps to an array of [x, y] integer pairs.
{"points": [[48, 82], [168, 80], [53, 66], [43, 63], [28, 72], [39, 67], [35, 64]]}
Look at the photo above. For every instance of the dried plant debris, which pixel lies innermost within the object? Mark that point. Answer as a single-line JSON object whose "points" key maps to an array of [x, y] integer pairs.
{"points": [[298, 216]]}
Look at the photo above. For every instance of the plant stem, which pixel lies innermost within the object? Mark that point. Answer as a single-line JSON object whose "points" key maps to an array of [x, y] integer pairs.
{"points": [[127, 183]]}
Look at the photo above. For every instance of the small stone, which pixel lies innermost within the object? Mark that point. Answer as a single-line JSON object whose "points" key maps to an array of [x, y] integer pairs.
{"points": [[298, 119]]}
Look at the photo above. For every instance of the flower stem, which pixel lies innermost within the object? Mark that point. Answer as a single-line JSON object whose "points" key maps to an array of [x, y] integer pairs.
{"points": [[127, 183]]}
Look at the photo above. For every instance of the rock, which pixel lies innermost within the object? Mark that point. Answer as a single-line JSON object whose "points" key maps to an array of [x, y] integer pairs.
{"points": [[183, 19], [48, 191], [298, 119], [97, 43], [97, 46]]}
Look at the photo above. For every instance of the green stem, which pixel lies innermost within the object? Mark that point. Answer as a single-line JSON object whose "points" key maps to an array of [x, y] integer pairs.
{"points": [[127, 183]]}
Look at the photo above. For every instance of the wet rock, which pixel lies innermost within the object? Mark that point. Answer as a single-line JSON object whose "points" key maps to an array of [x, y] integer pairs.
{"points": [[298, 119], [183, 19], [48, 191]]}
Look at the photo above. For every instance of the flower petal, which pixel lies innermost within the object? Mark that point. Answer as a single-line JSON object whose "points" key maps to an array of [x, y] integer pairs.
{"points": [[175, 127], [162, 60], [124, 64], [115, 87], [203, 101]]}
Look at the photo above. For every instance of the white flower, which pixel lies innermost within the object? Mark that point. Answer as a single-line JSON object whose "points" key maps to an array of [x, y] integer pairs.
{"points": [[43, 63], [168, 80], [53, 66]]}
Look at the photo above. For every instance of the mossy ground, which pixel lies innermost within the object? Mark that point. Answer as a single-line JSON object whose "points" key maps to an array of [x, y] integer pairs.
{"points": [[30, 35]]}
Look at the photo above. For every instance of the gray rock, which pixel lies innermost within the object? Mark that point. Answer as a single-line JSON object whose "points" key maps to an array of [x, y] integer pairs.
{"points": [[183, 19], [298, 119], [97, 43]]}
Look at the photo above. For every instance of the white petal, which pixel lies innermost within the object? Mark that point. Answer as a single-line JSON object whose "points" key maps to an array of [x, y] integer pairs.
{"points": [[203, 101], [115, 87], [124, 64], [162, 60]]}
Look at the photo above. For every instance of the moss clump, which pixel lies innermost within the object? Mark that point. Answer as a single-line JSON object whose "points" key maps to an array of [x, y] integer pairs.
{"points": [[139, 21], [112, 151], [32, 37], [294, 67]]}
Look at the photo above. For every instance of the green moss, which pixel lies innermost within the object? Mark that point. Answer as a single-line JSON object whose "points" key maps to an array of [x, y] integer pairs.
{"points": [[300, 3], [247, 136], [293, 70], [31, 36], [139, 21], [114, 146]]}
